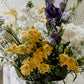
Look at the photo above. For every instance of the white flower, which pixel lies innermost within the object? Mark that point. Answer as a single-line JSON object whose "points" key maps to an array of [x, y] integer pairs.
{"points": [[71, 34], [74, 34], [41, 27]]}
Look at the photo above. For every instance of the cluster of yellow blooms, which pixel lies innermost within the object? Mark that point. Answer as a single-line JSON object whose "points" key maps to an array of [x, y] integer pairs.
{"points": [[38, 53], [37, 59], [12, 12], [41, 10], [17, 49], [69, 61], [30, 38], [32, 35]]}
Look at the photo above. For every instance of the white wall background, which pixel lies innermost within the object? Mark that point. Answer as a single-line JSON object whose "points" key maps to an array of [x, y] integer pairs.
{"points": [[9, 74]]}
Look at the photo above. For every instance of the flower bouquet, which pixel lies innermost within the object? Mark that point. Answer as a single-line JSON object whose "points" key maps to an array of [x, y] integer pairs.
{"points": [[42, 43]]}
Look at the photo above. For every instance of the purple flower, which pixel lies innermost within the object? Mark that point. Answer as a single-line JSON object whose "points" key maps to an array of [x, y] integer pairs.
{"points": [[50, 2], [53, 34], [53, 37], [65, 15], [57, 23], [62, 5], [51, 41], [53, 12]]}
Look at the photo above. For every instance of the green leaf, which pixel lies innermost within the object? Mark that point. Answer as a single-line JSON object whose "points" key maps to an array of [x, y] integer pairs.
{"points": [[79, 1], [75, 77], [81, 61], [30, 4]]}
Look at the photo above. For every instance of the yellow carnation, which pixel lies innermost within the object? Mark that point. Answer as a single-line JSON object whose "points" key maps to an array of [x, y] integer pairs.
{"points": [[27, 60], [44, 41], [43, 68], [26, 69], [69, 61], [31, 48], [32, 35], [48, 48], [17, 49]]}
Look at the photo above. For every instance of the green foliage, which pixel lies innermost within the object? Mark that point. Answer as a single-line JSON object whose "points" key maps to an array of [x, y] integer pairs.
{"points": [[30, 4], [81, 61], [1, 21], [79, 1], [13, 34], [60, 33]]}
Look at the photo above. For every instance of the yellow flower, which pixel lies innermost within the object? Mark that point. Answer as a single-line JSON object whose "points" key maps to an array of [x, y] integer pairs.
{"points": [[42, 53], [17, 49], [12, 12], [44, 41], [69, 61], [41, 10], [26, 69], [39, 55], [32, 35], [27, 61], [72, 64], [63, 58], [9, 49], [43, 68], [31, 48], [48, 48]]}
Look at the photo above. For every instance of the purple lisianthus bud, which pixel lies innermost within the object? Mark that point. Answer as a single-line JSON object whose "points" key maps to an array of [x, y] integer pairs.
{"points": [[53, 37], [53, 34], [57, 22], [51, 41], [53, 12], [65, 15], [62, 5], [48, 23], [50, 2]]}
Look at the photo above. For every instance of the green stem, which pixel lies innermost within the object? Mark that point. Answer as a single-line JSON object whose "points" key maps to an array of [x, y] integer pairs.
{"points": [[46, 3], [4, 58], [6, 4], [19, 71]]}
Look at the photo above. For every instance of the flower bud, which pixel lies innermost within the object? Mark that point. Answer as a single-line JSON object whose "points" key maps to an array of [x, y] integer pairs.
{"points": [[7, 36], [50, 2]]}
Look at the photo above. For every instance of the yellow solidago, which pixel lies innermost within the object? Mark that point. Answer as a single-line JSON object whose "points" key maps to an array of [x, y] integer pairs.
{"points": [[41, 10], [43, 68], [31, 48], [40, 54], [44, 41], [17, 49], [48, 48], [12, 12], [26, 69], [27, 60], [69, 61], [32, 35]]}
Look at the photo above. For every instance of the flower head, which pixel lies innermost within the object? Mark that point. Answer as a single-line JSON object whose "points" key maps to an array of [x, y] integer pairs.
{"points": [[50, 2], [62, 5], [53, 37], [53, 12], [69, 61]]}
